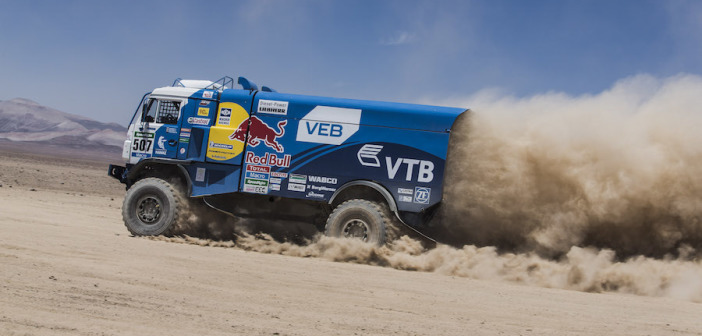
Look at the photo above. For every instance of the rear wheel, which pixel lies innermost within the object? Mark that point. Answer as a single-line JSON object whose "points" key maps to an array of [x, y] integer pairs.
{"points": [[151, 207], [360, 219]]}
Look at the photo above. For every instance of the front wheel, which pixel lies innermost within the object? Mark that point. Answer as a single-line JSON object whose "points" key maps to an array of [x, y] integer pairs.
{"points": [[360, 219], [151, 207]]}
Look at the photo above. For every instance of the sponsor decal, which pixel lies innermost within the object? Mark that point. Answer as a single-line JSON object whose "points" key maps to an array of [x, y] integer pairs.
{"points": [[258, 131], [171, 130], [314, 195], [425, 169], [161, 142], [204, 103], [368, 155], [405, 191], [269, 159], [275, 180], [184, 140], [321, 188], [182, 151], [217, 156], [256, 179], [422, 195], [274, 187], [255, 182], [207, 94], [296, 178], [138, 134], [199, 121], [328, 125], [203, 111], [200, 174], [296, 187], [256, 175], [224, 116], [405, 198], [321, 179], [219, 145], [279, 174], [273, 107], [424, 172], [255, 189], [160, 151], [261, 169], [140, 155]]}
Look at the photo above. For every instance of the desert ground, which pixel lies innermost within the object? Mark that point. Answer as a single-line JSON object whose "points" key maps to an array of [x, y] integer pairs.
{"points": [[70, 267]]}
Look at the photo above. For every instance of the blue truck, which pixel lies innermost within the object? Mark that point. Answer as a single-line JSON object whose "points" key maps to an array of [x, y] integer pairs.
{"points": [[355, 168]]}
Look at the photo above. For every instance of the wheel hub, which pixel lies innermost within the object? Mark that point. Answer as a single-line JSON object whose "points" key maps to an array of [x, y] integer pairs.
{"points": [[149, 209], [356, 228]]}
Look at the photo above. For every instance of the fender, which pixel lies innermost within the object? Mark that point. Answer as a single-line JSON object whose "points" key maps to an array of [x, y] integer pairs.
{"points": [[133, 171], [374, 185]]}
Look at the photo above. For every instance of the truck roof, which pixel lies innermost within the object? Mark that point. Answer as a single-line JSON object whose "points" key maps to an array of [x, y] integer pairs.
{"points": [[377, 113]]}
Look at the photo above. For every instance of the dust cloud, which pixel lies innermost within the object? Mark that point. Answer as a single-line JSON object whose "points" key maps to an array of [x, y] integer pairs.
{"points": [[595, 193], [620, 170]]}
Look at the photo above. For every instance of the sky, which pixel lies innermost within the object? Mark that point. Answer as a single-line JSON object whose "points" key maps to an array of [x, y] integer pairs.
{"points": [[97, 58]]}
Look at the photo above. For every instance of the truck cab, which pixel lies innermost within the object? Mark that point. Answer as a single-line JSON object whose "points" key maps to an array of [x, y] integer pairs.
{"points": [[363, 169]]}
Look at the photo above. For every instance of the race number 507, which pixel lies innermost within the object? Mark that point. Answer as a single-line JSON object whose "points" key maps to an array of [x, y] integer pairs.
{"points": [[142, 145]]}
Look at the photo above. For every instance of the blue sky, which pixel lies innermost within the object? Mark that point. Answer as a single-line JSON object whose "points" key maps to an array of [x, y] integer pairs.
{"points": [[96, 58]]}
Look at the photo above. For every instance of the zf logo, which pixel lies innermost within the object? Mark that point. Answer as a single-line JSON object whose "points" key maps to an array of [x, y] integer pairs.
{"points": [[413, 169], [422, 195]]}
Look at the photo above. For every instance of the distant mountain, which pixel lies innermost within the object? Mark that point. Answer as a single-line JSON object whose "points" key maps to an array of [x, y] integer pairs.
{"points": [[24, 120]]}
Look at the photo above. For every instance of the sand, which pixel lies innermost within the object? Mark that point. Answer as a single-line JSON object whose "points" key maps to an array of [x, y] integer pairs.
{"points": [[69, 266]]}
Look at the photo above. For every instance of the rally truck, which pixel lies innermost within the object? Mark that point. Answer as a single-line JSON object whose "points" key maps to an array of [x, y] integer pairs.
{"points": [[355, 168]]}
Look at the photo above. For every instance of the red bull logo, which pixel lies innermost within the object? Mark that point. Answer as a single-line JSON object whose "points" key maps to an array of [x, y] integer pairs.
{"points": [[259, 131], [268, 159]]}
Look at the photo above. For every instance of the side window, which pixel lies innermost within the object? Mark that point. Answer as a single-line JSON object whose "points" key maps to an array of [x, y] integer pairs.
{"points": [[150, 110], [162, 111], [168, 112]]}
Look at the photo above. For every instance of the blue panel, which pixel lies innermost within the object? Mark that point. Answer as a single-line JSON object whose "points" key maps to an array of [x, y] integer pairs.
{"points": [[197, 143], [211, 179]]}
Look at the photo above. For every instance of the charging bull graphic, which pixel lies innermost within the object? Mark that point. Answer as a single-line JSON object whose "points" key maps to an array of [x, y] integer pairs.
{"points": [[260, 131]]}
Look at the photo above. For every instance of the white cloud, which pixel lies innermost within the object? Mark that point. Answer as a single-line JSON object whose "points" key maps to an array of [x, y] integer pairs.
{"points": [[400, 38]]}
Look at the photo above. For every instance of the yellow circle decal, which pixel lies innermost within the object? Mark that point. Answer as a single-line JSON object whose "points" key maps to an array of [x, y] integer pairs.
{"points": [[226, 137]]}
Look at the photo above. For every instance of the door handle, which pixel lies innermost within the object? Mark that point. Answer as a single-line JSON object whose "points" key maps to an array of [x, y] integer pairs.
{"points": [[172, 142]]}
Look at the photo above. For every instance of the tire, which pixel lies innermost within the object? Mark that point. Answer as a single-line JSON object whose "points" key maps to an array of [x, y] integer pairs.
{"points": [[361, 219], [151, 207]]}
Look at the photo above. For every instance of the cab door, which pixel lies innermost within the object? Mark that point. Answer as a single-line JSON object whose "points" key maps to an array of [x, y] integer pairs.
{"points": [[157, 134]]}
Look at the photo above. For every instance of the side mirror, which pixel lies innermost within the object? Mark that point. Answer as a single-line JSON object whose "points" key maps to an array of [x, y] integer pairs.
{"points": [[145, 110]]}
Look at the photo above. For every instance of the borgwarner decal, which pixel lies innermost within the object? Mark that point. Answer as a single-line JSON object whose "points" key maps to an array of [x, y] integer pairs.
{"points": [[329, 125], [260, 131]]}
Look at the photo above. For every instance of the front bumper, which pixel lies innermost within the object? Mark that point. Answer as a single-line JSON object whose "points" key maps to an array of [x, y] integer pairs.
{"points": [[118, 172]]}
